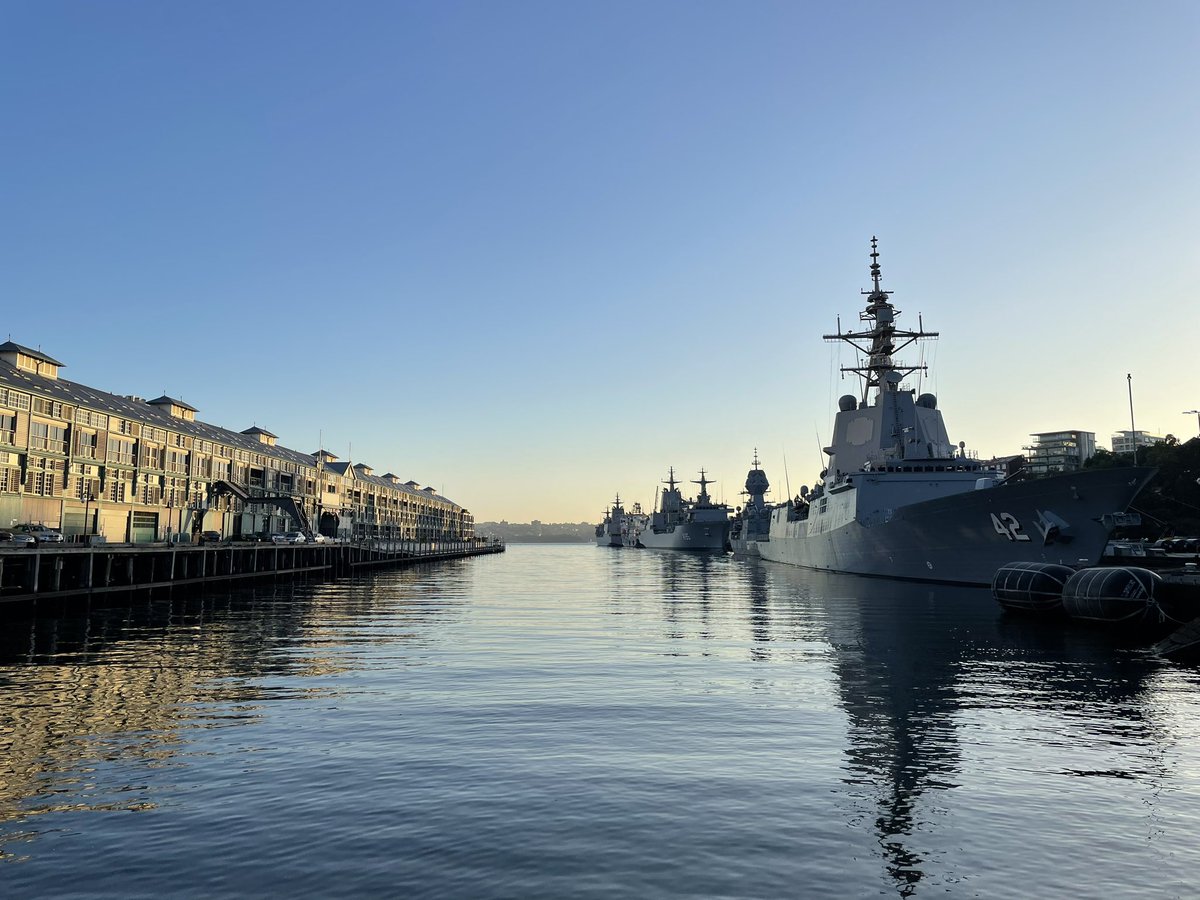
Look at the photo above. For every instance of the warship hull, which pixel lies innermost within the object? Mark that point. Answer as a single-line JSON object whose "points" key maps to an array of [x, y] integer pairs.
{"points": [[686, 536], [742, 546], [963, 538]]}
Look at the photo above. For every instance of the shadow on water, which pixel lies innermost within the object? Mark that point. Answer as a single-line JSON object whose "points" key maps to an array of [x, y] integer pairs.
{"points": [[910, 659]]}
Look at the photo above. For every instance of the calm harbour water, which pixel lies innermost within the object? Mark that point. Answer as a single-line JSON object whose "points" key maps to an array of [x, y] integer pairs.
{"points": [[570, 721]]}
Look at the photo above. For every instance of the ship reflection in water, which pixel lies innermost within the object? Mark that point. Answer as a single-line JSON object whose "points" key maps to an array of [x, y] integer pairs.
{"points": [[566, 721]]}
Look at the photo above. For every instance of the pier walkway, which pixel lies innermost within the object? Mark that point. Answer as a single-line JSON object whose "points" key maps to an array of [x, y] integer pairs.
{"points": [[61, 571]]}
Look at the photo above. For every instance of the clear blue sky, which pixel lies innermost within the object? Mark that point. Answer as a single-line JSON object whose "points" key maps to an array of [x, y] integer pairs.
{"points": [[534, 253]]}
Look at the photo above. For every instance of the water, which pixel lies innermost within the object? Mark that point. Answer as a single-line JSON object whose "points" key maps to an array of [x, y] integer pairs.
{"points": [[568, 721]]}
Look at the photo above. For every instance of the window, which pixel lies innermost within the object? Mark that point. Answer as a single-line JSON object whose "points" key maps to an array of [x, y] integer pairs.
{"points": [[10, 480], [8, 428], [120, 451], [45, 477], [47, 437], [86, 444], [91, 419], [151, 457], [118, 485], [85, 482], [14, 399], [44, 407], [149, 489]]}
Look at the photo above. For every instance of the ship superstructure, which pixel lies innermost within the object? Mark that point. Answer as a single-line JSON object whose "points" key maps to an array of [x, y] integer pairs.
{"points": [[612, 529], [751, 525], [898, 499]]}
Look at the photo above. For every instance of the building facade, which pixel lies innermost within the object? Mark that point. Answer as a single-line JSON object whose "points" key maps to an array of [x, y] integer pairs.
{"points": [[1126, 441], [93, 463], [1059, 451]]}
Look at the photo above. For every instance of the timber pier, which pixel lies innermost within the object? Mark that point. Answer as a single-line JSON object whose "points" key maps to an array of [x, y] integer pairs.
{"points": [[65, 571]]}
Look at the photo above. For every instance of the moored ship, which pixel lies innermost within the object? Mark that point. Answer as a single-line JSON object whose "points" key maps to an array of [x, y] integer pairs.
{"points": [[899, 500], [752, 523], [636, 521], [611, 532], [679, 524]]}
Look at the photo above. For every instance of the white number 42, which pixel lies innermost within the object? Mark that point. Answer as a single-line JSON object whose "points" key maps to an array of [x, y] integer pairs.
{"points": [[1007, 525]]}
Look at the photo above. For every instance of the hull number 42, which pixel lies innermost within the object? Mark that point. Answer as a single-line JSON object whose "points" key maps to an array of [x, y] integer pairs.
{"points": [[1007, 525]]}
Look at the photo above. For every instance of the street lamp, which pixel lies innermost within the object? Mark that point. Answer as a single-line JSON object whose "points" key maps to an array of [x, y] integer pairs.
{"points": [[87, 502], [1193, 412]]}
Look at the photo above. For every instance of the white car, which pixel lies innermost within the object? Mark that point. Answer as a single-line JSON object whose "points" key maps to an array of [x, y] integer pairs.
{"points": [[40, 533], [318, 538], [289, 537]]}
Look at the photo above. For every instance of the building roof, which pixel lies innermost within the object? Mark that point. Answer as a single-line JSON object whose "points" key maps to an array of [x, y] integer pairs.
{"points": [[10, 347], [158, 416], [253, 430], [164, 400]]}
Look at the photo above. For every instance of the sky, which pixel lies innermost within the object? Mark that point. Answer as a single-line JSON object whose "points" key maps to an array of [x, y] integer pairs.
{"points": [[535, 253]]}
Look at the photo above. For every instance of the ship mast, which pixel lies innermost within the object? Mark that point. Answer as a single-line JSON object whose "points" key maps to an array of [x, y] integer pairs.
{"points": [[704, 483], [880, 369]]}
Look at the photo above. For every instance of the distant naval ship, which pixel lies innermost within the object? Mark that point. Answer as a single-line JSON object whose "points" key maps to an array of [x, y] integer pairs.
{"points": [[752, 522], [612, 530], [899, 500], [679, 524]]}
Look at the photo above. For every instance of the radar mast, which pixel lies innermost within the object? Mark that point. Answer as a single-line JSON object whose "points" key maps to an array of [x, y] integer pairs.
{"points": [[880, 369]]}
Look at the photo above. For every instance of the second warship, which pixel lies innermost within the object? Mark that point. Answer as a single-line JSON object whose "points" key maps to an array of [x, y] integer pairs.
{"points": [[679, 524]]}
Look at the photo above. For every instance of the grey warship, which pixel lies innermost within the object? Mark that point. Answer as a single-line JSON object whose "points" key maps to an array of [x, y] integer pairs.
{"points": [[612, 530], [680, 524], [751, 526], [898, 500]]}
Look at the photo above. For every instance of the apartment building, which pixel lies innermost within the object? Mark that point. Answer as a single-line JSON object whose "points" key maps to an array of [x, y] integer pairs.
{"points": [[1059, 451], [93, 463], [1126, 441]]}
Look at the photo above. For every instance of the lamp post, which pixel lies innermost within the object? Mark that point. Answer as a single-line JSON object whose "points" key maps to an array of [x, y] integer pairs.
{"points": [[87, 502], [1193, 412], [1132, 429]]}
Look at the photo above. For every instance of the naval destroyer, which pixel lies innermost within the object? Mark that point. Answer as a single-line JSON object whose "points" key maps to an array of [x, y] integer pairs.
{"points": [[898, 500], [751, 525], [611, 532], [679, 524]]}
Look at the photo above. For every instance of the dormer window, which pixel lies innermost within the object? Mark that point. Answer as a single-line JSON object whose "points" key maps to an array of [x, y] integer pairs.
{"points": [[176, 409], [264, 436], [28, 360]]}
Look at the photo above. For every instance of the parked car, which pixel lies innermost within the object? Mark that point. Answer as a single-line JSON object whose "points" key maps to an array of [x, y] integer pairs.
{"points": [[40, 533], [289, 537], [256, 537], [16, 539], [210, 537], [317, 538]]}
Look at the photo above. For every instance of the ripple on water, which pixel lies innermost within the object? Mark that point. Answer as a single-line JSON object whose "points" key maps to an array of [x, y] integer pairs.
{"points": [[571, 721]]}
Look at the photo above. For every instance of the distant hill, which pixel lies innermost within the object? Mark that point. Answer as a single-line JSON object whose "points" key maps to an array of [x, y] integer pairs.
{"points": [[536, 532]]}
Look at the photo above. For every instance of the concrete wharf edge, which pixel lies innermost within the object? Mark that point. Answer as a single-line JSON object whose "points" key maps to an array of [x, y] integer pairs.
{"points": [[61, 572]]}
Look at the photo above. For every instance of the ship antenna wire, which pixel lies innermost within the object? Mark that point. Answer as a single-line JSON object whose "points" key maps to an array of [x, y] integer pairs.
{"points": [[785, 475]]}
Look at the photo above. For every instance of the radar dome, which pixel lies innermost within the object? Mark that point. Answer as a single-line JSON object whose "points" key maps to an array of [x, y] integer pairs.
{"points": [[847, 402], [756, 482], [929, 401]]}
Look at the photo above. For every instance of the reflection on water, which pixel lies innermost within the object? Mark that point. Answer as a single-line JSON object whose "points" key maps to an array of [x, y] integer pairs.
{"points": [[581, 721]]}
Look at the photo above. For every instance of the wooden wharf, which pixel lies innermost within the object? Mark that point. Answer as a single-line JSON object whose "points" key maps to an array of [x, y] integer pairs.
{"points": [[60, 571]]}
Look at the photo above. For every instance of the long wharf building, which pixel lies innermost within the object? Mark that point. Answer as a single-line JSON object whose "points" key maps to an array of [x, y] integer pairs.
{"points": [[93, 463]]}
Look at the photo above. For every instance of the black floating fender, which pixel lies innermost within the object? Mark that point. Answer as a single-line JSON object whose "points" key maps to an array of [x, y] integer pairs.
{"points": [[1112, 594], [1031, 587]]}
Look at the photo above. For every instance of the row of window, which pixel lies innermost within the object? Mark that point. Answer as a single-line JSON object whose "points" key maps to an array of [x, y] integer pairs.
{"points": [[122, 448]]}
